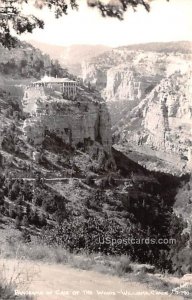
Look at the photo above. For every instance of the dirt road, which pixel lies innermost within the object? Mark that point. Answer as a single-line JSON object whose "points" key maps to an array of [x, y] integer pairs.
{"points": [[59, 282]]}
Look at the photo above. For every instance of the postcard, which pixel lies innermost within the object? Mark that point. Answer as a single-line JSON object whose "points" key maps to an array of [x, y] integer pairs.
{"points": [[95, 149]]}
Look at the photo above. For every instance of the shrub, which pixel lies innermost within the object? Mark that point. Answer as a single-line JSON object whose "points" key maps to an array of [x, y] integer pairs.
{"points": [[124, 266], [25, 236], [8, 284], [25, 221]]}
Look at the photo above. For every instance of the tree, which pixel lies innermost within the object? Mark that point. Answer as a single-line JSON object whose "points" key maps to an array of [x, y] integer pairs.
{"points": [[12, 17], [17, 223], [42, 220], [25, 221], [1, 197], [27, 191], [34, 217]]}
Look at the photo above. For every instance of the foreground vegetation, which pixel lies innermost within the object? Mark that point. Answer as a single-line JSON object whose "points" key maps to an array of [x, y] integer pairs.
{"points": [[10, 282], [105, 215]]}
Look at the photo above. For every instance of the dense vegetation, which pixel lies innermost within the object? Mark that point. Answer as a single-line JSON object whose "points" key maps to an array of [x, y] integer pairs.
{"points": [[143, 211], [25, 61]]}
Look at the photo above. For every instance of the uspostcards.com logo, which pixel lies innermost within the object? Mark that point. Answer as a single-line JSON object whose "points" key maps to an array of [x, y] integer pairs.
{"points": [[135, 241]]}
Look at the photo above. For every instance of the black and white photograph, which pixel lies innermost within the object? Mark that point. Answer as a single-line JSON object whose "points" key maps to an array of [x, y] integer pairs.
{"points": [[95, 149]]}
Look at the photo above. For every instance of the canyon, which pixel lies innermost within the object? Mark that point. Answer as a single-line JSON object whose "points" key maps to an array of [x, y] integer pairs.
{"points": [[148, 92], [60, 168]]}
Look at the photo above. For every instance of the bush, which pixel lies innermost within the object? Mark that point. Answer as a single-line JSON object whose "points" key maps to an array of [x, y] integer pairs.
{"points": [[25, 236], [25, 221], [124, 266]]}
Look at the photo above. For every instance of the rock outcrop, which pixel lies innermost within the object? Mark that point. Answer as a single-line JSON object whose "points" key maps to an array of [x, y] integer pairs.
{"points": [[128, 83], [163, 120], [75, 122]]}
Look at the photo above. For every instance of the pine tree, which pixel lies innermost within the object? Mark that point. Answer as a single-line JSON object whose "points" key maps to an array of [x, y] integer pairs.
{"points": [[21, 23]]}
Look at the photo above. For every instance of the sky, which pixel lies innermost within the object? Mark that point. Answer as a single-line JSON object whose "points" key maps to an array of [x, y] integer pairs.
{"points": [[167, 21]]}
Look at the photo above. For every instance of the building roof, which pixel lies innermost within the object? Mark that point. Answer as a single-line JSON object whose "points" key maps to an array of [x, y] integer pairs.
{"points": [[48, 79]]}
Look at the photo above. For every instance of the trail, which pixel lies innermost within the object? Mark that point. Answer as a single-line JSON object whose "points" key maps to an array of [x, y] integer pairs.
{"points": [[61, 282]]}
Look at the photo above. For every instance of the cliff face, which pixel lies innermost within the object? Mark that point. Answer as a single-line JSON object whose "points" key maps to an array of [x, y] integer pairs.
{"points": [[130, 82], [130, 75], [147, 90], [94, 75], [163, 120], [168, 114], [75, 122]]}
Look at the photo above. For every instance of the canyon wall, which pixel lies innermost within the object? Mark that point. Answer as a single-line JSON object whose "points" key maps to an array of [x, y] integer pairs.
{"points": [[148, 92], [163, 120], [73, 121], [129, 75]]}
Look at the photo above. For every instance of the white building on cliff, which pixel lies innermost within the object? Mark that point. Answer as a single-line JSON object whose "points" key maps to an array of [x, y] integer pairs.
{"points": [[65, 85]]}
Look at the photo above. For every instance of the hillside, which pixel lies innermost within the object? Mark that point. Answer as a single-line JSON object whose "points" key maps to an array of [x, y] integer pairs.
{"points": [[68, 195], [25, 62]]}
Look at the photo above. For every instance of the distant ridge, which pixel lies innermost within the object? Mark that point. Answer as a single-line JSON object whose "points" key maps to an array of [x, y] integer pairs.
{"points": [[181, 46], [73, 54]]}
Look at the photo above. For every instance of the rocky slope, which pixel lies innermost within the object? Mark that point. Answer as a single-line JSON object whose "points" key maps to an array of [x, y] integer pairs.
{"points": [[25, 62], [147, 88]]}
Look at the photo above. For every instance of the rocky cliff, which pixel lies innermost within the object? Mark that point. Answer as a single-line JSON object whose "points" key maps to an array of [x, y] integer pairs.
{"points": [[162, 121], [124, 74], [147, 89], [83, 121]]}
